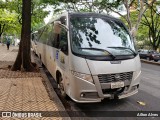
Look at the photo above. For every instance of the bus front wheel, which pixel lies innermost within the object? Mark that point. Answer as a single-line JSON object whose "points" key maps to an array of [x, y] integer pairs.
{"points": [[61, 86]]}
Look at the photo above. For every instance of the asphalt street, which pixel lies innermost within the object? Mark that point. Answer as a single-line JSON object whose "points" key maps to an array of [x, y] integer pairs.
{"points": [[149, 93]]}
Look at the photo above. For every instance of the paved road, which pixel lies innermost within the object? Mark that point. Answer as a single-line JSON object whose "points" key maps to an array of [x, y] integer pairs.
{"points": [[149, 93]]}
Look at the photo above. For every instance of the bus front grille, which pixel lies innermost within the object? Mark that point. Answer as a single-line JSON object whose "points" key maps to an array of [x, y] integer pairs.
{"points": [[106, 78]]}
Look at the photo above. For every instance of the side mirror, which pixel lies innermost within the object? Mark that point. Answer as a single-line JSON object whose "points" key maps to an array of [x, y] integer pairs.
{"points": [[57, 28], [58, 23]]}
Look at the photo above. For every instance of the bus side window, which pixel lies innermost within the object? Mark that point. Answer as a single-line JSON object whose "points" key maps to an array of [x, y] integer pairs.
{"points": [[43, 35], [63, 41], [51, 41], [56, 31], [46, 34], [40, 34]]}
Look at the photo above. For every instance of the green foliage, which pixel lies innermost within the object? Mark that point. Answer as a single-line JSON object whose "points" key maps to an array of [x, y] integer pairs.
{"points": [[9, 21], [38, 14], [82, 5], [151, 21], [2, 4], [142, 33], [13, 19]]}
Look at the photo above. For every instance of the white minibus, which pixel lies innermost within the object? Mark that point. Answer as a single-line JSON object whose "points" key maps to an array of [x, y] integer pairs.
{"points": [[91, 56]]}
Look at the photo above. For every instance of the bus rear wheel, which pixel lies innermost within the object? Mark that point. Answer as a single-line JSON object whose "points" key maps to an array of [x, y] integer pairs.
{"points": [[61, 86], [41, 63]]}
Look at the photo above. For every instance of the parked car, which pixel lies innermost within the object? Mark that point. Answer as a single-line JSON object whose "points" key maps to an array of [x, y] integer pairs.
{"points": [[149, 55], [154, 55], [143, 54]]}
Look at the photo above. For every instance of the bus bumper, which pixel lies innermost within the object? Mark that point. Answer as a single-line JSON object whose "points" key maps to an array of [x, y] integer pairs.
{"points": [[86, 92]]}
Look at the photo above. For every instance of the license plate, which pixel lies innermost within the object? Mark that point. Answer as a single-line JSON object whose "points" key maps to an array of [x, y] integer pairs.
{"points": [[117, 85]]}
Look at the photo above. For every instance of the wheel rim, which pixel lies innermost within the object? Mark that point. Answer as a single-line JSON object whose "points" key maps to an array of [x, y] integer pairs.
{"points": [[61, 87]]}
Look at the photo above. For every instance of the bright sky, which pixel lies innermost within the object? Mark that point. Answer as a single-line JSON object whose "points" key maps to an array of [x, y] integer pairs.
{"points": [[49, 8]]}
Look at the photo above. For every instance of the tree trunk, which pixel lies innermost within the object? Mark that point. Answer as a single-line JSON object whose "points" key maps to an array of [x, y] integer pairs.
{"points": [[155, 47], [1, 29], [23, 60]]}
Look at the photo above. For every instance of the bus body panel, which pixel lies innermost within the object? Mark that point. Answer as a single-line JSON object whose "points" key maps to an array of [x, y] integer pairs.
{"points": [[106, 67], [79, 64]]}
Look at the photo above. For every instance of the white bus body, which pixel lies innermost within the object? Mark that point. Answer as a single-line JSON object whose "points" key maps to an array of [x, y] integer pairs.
{"points": [[91, 56]]}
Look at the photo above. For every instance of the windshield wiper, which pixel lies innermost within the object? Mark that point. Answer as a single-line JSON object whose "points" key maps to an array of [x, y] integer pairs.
{"points": [[134, 53], [98, 49]]}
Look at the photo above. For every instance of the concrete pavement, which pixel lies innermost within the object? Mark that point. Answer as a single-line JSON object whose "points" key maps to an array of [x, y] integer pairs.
{"points": [[24, 91]]}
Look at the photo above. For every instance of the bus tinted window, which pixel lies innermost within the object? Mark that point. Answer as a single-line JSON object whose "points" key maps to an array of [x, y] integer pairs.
{"points": [[46, 34], [63, 38], [51, 40]]}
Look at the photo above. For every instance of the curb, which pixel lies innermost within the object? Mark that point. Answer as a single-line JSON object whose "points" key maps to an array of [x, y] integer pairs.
{"points": [[150, 62], [51, 92]]}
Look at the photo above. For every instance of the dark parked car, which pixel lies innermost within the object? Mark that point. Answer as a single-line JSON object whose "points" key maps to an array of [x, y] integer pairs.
{"points": [[143, 54], [149, 55]]}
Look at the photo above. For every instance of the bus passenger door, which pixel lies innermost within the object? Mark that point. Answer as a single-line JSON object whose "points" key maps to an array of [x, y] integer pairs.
{"points": [[63, 59]]}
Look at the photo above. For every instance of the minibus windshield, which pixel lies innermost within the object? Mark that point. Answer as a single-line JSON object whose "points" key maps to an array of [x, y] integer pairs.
{"points": [[101, 33]]}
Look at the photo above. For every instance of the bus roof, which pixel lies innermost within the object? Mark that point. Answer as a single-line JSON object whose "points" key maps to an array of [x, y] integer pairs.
{"points": [[83, 14]]}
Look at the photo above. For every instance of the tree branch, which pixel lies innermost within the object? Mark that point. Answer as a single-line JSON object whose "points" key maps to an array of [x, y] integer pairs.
{"points": [[150, 37], [131, 3], [158, 35], [145, 23], [118, 13], [125, 2]]}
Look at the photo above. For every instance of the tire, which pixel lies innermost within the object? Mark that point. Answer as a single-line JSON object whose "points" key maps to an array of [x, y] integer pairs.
{"points": [[41, 63], [61, 86], [40, 60], [156, 60]]}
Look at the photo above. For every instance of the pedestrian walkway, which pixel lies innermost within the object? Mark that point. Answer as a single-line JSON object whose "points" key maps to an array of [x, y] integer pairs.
{"points": [[8, 55], [24, 91]]}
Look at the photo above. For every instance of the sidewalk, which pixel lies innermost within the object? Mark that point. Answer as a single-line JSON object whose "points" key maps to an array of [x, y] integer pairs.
{"points": [[24, 91]]}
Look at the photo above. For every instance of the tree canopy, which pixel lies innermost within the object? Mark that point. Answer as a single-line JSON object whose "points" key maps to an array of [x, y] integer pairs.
{"points": [[151, 19], [8, 22]]}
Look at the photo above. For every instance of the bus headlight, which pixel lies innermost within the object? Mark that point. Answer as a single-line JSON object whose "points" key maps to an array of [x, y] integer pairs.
{"points": [[86, 77]]}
